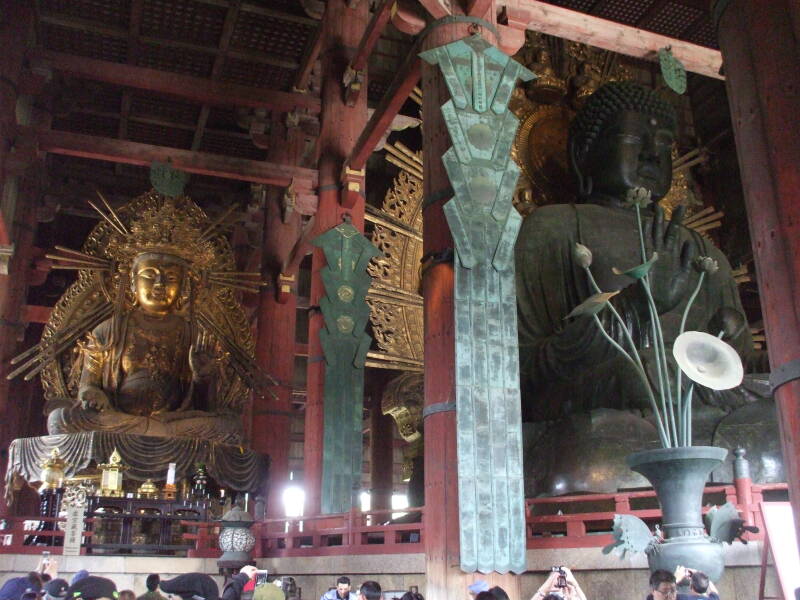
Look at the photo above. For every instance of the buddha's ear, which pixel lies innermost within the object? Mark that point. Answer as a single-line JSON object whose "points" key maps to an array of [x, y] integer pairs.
{"points": [[577, 151]]}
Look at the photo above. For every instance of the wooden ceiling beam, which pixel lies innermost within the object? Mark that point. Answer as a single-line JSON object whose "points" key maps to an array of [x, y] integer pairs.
{"points": [[609, 35], [280, 15], [310, 56], [136, 12], [186, 87], [87, 26], [372, 34], [202, 163], [228, 26], [355, 77], [478, 8], [390, 105]]}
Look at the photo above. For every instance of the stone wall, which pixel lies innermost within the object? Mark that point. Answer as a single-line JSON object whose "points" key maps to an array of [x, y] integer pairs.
{"points": [[601, 577]]}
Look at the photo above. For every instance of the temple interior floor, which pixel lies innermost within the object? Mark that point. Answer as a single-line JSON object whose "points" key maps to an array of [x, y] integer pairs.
{"points": [[601, 577]]}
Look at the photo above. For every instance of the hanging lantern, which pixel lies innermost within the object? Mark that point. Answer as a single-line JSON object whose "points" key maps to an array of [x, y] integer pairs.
{"points": [[111, 479]]}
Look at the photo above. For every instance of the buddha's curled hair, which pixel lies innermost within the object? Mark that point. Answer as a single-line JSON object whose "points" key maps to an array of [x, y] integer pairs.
{"points": [[609, 100]]}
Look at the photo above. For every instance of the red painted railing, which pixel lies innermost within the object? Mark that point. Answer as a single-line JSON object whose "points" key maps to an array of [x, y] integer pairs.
{"points": [[355, 532], [586, 521], [15, 534], [577, 521], [205, 539]]}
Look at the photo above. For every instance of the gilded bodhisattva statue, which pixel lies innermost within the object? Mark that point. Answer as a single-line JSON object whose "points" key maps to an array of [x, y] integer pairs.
{"points": [[159, 343]]}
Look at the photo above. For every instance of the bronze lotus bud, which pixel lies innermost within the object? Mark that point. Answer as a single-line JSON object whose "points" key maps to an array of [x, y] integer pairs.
{"points": [[706, 264], [638, 196], [582, 255]]}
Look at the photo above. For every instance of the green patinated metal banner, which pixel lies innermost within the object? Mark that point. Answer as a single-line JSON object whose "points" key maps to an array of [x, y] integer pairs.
{"points": [[345, 345], [672, 70], [484, 225]]}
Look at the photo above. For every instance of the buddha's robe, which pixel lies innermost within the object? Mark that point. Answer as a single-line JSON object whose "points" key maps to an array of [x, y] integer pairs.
{"points": [[143, 368], [567, 366]]}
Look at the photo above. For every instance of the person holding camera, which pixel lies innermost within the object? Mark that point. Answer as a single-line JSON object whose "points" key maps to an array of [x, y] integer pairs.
{"points": [[560, 585], [700, 586]]}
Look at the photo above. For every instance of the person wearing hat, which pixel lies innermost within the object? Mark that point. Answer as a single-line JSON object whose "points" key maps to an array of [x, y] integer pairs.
{"points": [[92, 588], [56, 589], [191, 584], [152, 593], [269, 591], [31, 594], [16, 586], [476, 587], [82, 574], [234, 588]]}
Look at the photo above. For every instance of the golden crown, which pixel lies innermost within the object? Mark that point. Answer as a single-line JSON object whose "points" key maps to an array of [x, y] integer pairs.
{"points": [[167, 229]]}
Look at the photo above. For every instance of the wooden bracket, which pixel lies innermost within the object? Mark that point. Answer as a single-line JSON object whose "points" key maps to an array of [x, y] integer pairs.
{"points": [[352, 186], [258, 128], [6, 252], [353, 81], [407, 18], [24, 148], [288, 202], [285, 288]]}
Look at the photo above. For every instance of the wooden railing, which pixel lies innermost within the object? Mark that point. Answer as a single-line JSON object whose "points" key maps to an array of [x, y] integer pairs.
{"points": [[586, 521], [204, 539], [356, 532], [18, 538], [577, 521]]}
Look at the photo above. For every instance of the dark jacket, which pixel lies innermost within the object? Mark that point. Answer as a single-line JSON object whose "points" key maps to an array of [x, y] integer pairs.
{"points": [[233, 589], [14, 588], [191, 584]]}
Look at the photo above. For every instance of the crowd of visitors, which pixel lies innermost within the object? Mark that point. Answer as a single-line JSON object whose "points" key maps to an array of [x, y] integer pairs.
{"points": [[251, 584]]}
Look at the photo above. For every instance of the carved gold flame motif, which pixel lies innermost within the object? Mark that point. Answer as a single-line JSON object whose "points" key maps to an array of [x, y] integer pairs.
{"points": [[567, 72]]}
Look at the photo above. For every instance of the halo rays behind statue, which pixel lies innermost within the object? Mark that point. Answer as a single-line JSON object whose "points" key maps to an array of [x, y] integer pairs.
{"points": [[162, 346]]}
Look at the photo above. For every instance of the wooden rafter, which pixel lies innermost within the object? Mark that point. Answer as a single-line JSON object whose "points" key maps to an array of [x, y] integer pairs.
{"points": [[608, 35], [224, 43], [186, 87], [310, 56], [137, 7], [202, 163], [478, 8], [393, 100], [121, 33]]}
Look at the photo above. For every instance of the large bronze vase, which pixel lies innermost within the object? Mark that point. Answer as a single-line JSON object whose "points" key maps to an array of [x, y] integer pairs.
{"points": [[679, 476]]}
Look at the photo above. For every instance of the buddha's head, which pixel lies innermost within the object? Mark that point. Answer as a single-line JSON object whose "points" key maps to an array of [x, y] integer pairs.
{"points": [[622, 139], [157, 280]]}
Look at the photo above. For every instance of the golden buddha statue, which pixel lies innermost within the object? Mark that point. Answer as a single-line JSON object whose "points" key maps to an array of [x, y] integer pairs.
{"points": [[161, 346]]}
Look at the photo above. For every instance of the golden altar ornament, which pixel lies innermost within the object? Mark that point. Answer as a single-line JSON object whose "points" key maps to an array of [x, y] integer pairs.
{"points": [[52, 474], [148, 490], [111, 478]]}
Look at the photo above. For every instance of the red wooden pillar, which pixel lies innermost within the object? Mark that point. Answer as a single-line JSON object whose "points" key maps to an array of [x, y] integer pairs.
{"points": [[276, 323], [381, 449], [340, 127], [17, 216], [441, 475], [760, 43]]}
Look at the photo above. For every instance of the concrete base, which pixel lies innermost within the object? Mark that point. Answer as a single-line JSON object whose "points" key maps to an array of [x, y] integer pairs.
{"points": [[602, 577]]}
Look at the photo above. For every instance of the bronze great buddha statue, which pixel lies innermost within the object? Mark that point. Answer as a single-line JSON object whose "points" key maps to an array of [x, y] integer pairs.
{"points": [[621, 140]]}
